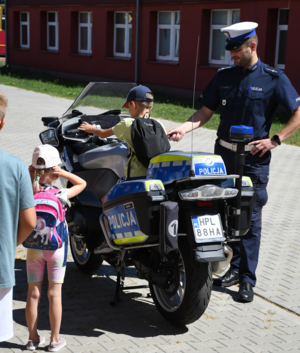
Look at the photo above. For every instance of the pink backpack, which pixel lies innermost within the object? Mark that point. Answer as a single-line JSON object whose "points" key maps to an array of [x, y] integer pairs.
{"points": [[51, 229]]}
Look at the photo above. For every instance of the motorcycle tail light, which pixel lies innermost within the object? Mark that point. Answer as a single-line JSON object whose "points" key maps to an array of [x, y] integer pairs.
{"points": [[204, 203], [207, 192]]}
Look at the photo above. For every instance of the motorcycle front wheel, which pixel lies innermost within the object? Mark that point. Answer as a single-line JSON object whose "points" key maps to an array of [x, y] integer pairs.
{"points": [[84, 258], [193, 293]]}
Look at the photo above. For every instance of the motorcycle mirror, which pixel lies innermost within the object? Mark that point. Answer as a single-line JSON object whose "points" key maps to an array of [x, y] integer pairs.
{"points": [[49, 137], [48, 120], [54, 124], [76, 112]]}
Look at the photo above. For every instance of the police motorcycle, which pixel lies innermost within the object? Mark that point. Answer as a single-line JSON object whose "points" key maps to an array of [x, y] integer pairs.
{"points": [[173, 227]]}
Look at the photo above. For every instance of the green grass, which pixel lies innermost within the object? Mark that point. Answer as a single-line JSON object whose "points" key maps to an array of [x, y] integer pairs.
{"points": [[41, 83], [166, 107]]}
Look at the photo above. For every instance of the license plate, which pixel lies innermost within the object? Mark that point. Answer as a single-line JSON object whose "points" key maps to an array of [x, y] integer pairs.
{"points": [[207, 228]]}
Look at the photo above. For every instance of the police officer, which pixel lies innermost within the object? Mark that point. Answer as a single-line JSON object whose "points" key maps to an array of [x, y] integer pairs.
{"points": [[248, 93]]}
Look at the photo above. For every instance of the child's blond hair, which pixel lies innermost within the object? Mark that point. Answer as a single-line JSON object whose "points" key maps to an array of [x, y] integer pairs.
{"points": [[37, 175], [3, 105]]}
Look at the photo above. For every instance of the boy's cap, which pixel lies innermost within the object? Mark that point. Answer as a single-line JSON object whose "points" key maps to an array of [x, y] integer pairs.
{"points": [[238, 33], [139, 93], [48, 153]]}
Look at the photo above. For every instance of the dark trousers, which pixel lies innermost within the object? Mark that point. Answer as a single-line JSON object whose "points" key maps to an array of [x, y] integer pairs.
{"points": [[246, 251]]}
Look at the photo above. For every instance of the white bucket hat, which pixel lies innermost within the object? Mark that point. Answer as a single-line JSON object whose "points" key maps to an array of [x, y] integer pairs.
{"points": [[48, 153]]}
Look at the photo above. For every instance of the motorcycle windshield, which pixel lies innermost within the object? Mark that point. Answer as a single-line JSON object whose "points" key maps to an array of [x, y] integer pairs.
{"points": [[98, 97]]}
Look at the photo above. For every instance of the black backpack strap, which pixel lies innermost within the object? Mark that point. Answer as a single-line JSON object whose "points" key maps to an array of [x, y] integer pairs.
{"points": [[130, 155], [48, 186], [65, 241]]}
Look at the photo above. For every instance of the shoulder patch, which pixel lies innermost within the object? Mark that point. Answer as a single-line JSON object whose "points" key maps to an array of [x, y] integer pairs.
{"points": [[272, 71], [226, 68]]}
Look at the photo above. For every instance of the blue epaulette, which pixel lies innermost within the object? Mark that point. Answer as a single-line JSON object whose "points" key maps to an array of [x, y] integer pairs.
{"points": [[226, 68], [272, 71]]}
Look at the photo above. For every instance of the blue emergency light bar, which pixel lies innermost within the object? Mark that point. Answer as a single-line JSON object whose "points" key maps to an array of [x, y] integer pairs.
{"points": [[241, 133]]}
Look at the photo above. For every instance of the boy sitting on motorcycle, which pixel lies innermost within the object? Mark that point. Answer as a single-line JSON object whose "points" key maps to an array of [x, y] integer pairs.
{"points": [[139, 101]]}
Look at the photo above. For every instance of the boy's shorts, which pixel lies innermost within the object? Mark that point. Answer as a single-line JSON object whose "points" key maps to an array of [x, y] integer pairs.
{"points": [[35, 263]]}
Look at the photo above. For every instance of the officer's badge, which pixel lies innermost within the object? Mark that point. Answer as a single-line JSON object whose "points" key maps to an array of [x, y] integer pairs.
{"points": [[224, 102]]}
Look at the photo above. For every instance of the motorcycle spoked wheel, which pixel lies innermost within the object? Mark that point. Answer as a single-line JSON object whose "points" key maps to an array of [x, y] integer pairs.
{"points": [[193, 293], [84, 258]]}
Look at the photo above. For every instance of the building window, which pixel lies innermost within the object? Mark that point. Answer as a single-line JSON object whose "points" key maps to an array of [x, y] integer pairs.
{"points": [[52, 30], [85, 32], [122, 34], [2, 18], [24, 29], [168, 34], [282, 28], [220, 19]]}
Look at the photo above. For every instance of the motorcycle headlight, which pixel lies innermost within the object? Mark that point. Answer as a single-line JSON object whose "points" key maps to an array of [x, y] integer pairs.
{"points": [[207, 192]]}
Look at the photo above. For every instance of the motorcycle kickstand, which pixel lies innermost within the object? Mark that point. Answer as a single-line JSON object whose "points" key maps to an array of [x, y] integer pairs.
{"points": [[120, 286]]}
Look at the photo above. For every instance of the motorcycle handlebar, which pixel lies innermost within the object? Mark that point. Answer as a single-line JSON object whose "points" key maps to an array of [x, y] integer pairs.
{"points": [[73, 132]]}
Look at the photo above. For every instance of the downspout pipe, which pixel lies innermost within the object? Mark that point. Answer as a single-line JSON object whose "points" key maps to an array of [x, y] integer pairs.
{"points": [[136, 79]]}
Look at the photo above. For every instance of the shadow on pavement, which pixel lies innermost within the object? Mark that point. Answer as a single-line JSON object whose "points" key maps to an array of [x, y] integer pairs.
{"points": [[9, 345], [230, 292], [86, 306]]}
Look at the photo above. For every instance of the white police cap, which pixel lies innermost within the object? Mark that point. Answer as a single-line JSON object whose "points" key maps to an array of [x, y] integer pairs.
{"points": [[238, 33]]}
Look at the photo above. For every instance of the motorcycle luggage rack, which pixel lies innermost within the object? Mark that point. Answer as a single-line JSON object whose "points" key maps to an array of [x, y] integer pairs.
{"points": [[207, 177]]}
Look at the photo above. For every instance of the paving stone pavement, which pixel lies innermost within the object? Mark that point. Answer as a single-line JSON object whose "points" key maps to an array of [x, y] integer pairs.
{"points": [[90, 324]]}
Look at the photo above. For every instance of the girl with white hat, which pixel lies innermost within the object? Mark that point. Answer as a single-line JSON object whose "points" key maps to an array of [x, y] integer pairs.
{"points": [[45, 169]]}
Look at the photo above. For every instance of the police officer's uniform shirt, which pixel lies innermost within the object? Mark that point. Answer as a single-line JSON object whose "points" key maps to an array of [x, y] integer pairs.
{"points": [[249, 97]]}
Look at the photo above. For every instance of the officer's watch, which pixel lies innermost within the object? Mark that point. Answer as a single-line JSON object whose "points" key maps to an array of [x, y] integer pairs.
{"points": [[276, 139]]}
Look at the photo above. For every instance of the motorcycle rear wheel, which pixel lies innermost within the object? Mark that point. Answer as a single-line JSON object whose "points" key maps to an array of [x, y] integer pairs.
{"points": [[84, 258], [194, 291]]}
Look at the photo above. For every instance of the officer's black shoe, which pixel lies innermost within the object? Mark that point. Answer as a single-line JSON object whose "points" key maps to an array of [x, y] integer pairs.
{"points": [[245, 293], [230, 278]]}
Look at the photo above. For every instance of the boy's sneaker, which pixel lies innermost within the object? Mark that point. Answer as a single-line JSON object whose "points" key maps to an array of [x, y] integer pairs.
{"points": [[32, 345], [56, 346]]}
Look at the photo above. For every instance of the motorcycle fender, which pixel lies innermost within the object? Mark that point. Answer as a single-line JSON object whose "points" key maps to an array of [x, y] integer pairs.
{"points": [[204, 252], [210, 253]]}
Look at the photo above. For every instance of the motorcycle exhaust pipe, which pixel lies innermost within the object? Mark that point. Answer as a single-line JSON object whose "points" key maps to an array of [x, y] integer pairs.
{"points": [[221, 267]]}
